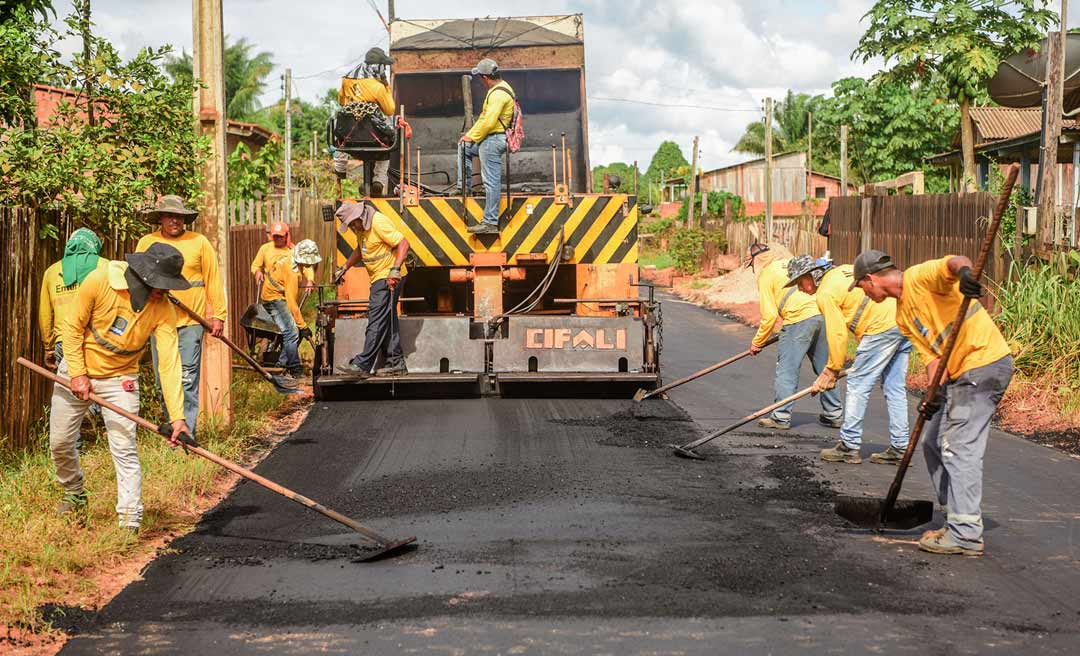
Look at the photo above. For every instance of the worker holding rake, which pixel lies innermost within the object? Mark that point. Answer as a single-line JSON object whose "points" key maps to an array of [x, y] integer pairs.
{"points": [[976, 375], [881, 357]]}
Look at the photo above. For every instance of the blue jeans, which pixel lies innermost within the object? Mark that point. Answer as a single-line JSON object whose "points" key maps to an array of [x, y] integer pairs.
{"points": [[290, 334], [882, 357], [189, 339], [804, 339], [491, 151]]}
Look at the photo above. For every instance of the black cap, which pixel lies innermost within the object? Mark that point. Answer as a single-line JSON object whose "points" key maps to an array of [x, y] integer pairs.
{"points": [[377, 56], [868, 262]]}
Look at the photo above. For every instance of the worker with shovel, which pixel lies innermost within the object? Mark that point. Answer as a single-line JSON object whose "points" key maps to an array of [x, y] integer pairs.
{"points": [[382, 248], [802, 334], [281, 298], [201, 270], [881, 357], [116, 312], [978, 371], [279, 247]]}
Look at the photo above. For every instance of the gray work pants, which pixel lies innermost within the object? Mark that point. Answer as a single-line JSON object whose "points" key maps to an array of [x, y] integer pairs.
{"points": [[955, 443]]}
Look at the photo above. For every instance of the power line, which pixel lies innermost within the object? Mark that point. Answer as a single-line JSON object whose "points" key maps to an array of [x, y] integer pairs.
{"points": [[655, 104]]}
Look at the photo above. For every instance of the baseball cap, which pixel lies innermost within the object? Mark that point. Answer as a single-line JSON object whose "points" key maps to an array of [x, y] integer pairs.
{"points": [[868, 262], [279, 229], [485, 66]]}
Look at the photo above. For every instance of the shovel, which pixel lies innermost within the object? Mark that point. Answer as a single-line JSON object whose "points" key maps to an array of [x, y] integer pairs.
{"points": [[870, 512], [281, 383], [687, 450], [383, 545], [641, 394]]}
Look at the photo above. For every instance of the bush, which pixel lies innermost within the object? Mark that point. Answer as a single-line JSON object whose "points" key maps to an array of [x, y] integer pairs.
{"points": [[687, 247], [714, 206]]}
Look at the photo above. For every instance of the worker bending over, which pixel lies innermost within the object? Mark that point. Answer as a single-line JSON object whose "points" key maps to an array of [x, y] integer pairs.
{"points": [[881, 356], [976, 376], [60, 287], [382, 248], [117, 310], [281, 297], [365, 94], [201, 271], [800, 337], [487, 139]]}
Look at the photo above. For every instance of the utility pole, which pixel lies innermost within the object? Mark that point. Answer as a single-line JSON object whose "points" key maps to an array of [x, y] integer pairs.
{"points": [[1051, 135], [391, 14], [208, 66], [768, 169], [809, 155], [311, 160], [843, 160], [692, 188], [87, 59], [288, 147]]}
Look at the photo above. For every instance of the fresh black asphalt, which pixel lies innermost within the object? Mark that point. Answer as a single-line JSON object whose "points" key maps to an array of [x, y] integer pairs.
{"points": [[565, 526]]}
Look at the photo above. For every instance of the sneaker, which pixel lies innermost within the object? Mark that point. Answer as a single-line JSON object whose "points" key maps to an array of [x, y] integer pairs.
{"points": [[483, 229], [889, 456], [392, 370], [830, 423], [73, 504], [772, 424], [350, 369], [841, 453], [941, 541]]}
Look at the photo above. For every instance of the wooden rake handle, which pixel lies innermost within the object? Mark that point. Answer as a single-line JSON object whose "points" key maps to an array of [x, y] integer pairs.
{"points": [[950, 343], [707, 370], [228, 342], [190, 446]]}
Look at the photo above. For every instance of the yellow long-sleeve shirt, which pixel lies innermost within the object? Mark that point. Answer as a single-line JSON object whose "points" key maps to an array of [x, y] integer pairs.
{"points": [[496, 114], [849, 312], [771, 293], [200, 269], [55, 301], [268, 253], [104, 337], [284, 283], [367, 90], [925, 313]]}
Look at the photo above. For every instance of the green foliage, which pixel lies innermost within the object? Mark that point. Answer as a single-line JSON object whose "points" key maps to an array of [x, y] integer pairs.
{"points": [[667, 159], [144, 142], [659, 227], [714, 206], [307, 119], [250, 175], [687, 246], [31, 8], [790, 124], [245, 76], [25, 60], [624, 171], [1021, 197]]}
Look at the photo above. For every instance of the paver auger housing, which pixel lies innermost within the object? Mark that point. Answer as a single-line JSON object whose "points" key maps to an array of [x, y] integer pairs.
{"points": [[551, 304]]}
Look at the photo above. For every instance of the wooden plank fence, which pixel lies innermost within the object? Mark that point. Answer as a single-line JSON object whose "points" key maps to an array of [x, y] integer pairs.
{"points": [[798, 234]]}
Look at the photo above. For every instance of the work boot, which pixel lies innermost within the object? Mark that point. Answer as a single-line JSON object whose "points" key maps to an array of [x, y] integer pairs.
{"points": [[830, 423], [772, 424], [841, 453], [296, 373], [74, 505], [941, 541], [350, 369], [376, 190], [484, 229], [889, 456], [392, 370]]}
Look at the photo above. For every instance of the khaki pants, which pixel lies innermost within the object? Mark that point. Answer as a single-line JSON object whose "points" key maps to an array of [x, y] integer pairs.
{"points": [[64, 420]]}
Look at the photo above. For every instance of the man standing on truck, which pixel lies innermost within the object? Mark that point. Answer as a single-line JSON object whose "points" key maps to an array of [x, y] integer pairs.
{"points": [[382, 248], [487, 138], [365, 94]]}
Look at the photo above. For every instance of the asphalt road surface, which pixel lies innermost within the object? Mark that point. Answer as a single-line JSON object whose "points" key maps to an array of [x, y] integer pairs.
{"points": [[566, 527]]}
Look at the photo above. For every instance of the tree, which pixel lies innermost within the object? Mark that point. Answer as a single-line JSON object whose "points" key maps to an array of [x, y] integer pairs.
{"points": [[245, 76], [665, 161], [959, 41], [892, 128], [624, 171], [250, 174], [39, 8], [306, 118], [789, 126]]}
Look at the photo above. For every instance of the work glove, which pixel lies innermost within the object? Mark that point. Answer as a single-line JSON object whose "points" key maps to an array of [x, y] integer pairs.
{"points": [[50, 358], [393, 277], [339, 273], [930, 406], [969, 284], [305, 333], [825, 382]]}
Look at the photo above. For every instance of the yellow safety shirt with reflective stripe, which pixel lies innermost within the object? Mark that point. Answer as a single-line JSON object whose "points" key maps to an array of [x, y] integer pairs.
{"points": [[200, 269], [55, 300], [496, 114], [104, 337], [377, 247], [266, 256], [771, 294], [849, 312], [282, 283], [367, 90], [927, 308]]}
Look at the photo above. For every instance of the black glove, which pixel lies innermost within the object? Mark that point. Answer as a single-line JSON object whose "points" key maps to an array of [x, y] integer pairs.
{"points": [[931, 406], [969, 284], [305, 333]]}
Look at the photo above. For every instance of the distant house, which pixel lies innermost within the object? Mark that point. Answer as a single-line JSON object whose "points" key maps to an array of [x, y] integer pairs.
{"points": [[791, 180]]}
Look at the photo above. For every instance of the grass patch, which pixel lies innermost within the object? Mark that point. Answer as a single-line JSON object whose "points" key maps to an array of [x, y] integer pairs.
{"points": [[44, 558], [659, 259]]}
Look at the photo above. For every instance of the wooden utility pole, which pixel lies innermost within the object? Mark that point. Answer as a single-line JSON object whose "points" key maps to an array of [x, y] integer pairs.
{"points": [[843, 160], [692, 188], [390, 13], [311, 160], [1047, 216], [88, 58], [287, 205], [768, 170], [208, 46], [809, 155]]}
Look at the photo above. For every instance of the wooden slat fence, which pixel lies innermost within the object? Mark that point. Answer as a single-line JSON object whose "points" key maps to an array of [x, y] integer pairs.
{"points": [[799, 235]]}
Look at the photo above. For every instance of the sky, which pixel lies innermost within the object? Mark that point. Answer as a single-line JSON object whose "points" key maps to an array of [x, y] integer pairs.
{"points": [[724, 56]]}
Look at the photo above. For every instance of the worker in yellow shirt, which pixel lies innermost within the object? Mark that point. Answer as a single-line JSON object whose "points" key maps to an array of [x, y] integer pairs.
{"points": [[801, 335], [115, 313], [487, 139], [978, 372], [60, 286], [365, 93], [382, 248], [280, 296], [881, 357], [280, 246], [201, 270]]}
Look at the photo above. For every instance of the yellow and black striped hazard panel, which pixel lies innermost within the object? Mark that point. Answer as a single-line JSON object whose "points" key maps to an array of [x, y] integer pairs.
{"points": [[602, 229]]}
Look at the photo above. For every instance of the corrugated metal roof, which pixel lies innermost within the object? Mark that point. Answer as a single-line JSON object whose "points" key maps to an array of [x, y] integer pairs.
{"points": [[997, 123], [486, 33]]}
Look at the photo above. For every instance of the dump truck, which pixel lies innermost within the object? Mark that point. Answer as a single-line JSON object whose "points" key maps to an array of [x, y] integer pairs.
{"points": [[550, 305]]}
